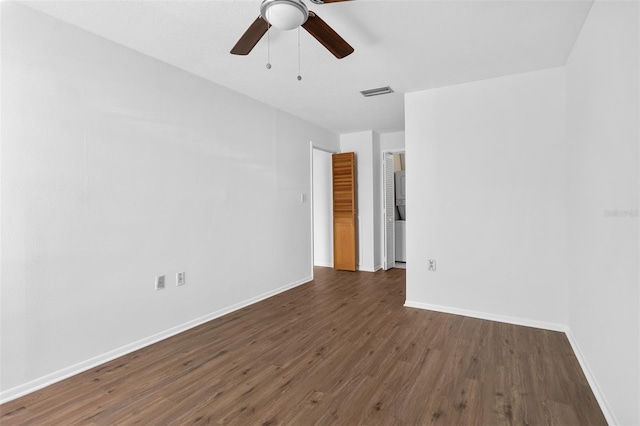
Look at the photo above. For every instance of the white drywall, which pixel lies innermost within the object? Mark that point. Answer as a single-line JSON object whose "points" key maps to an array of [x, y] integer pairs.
{"points": [[116, 168], [520, 186], [368, 147], [362, 143], [322, 209], [603, 185], [377, 201], [486, 179], [392, 141]]}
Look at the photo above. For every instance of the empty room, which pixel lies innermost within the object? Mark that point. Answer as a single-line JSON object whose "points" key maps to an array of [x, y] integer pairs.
{"points": [[338, 212]]}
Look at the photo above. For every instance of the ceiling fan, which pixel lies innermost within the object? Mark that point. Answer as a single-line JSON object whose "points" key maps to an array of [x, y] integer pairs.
{"points": [[288, 15]]}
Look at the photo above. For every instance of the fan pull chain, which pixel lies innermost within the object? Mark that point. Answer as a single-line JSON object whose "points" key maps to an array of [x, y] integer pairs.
{"points": [[299, 73], [268, 46]]}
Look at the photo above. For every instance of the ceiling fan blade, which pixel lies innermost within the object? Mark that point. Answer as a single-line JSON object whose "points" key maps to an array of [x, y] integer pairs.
{"points": [[327, 36], [251, 37]]}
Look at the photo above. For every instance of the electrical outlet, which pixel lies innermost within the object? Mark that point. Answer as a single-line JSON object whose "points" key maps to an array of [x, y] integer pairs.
{"points": [[160, 282], [180, 278], [432, 264]]}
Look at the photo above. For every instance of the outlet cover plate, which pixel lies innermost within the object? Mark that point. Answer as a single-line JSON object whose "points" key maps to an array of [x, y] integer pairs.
{"points": [[180, 279], [160, 282]]}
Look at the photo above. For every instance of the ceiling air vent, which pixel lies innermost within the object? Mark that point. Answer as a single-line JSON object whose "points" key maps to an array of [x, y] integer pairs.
{"points": [[376, 92]]}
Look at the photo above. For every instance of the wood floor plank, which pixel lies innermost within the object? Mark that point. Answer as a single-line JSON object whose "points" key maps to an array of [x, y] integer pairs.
{"points": [[339, 350]]}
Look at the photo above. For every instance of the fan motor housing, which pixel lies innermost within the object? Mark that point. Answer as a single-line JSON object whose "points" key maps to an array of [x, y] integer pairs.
{"points": [[284, 14]]}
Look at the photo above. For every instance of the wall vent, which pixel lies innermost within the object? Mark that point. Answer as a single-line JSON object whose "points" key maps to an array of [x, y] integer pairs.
{"points": [[376, 92]]}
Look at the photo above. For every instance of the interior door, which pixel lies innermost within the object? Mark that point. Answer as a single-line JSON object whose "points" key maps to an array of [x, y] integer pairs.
{"points": [[344, 211], [389, 213]]}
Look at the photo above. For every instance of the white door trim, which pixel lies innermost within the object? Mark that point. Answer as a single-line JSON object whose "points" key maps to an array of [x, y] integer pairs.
{"points": [[384, 222]]}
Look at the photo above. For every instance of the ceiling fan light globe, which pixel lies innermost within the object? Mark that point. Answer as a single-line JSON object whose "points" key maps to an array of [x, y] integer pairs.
{"points": [[284, 14]]}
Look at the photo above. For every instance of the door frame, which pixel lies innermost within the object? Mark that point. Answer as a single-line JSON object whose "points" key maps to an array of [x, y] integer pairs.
{"points": [[382, 198], [314, 145]]}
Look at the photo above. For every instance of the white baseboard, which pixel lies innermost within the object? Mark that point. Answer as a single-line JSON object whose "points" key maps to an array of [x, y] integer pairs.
{"points": [[366, 268], [488, 316], [56, 376], [593, 383], [323, 265]]}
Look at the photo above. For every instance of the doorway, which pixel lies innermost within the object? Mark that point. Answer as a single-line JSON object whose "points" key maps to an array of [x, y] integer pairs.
{"points": [[321, 207], [394, 209]]}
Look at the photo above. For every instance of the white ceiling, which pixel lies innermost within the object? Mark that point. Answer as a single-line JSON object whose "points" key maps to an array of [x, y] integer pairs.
{"points": [[409, 45]]}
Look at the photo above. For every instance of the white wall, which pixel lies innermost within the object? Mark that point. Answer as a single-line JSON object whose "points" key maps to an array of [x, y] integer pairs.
{"points": [[499, 157], [362, 143], [322, 209], [486, 180], [377, 201], [368, 146], [117, 168], [393, 141], [602, 166]]}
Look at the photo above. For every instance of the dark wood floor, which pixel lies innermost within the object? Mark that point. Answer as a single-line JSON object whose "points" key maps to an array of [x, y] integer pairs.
{"points": [[340, 350]]}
